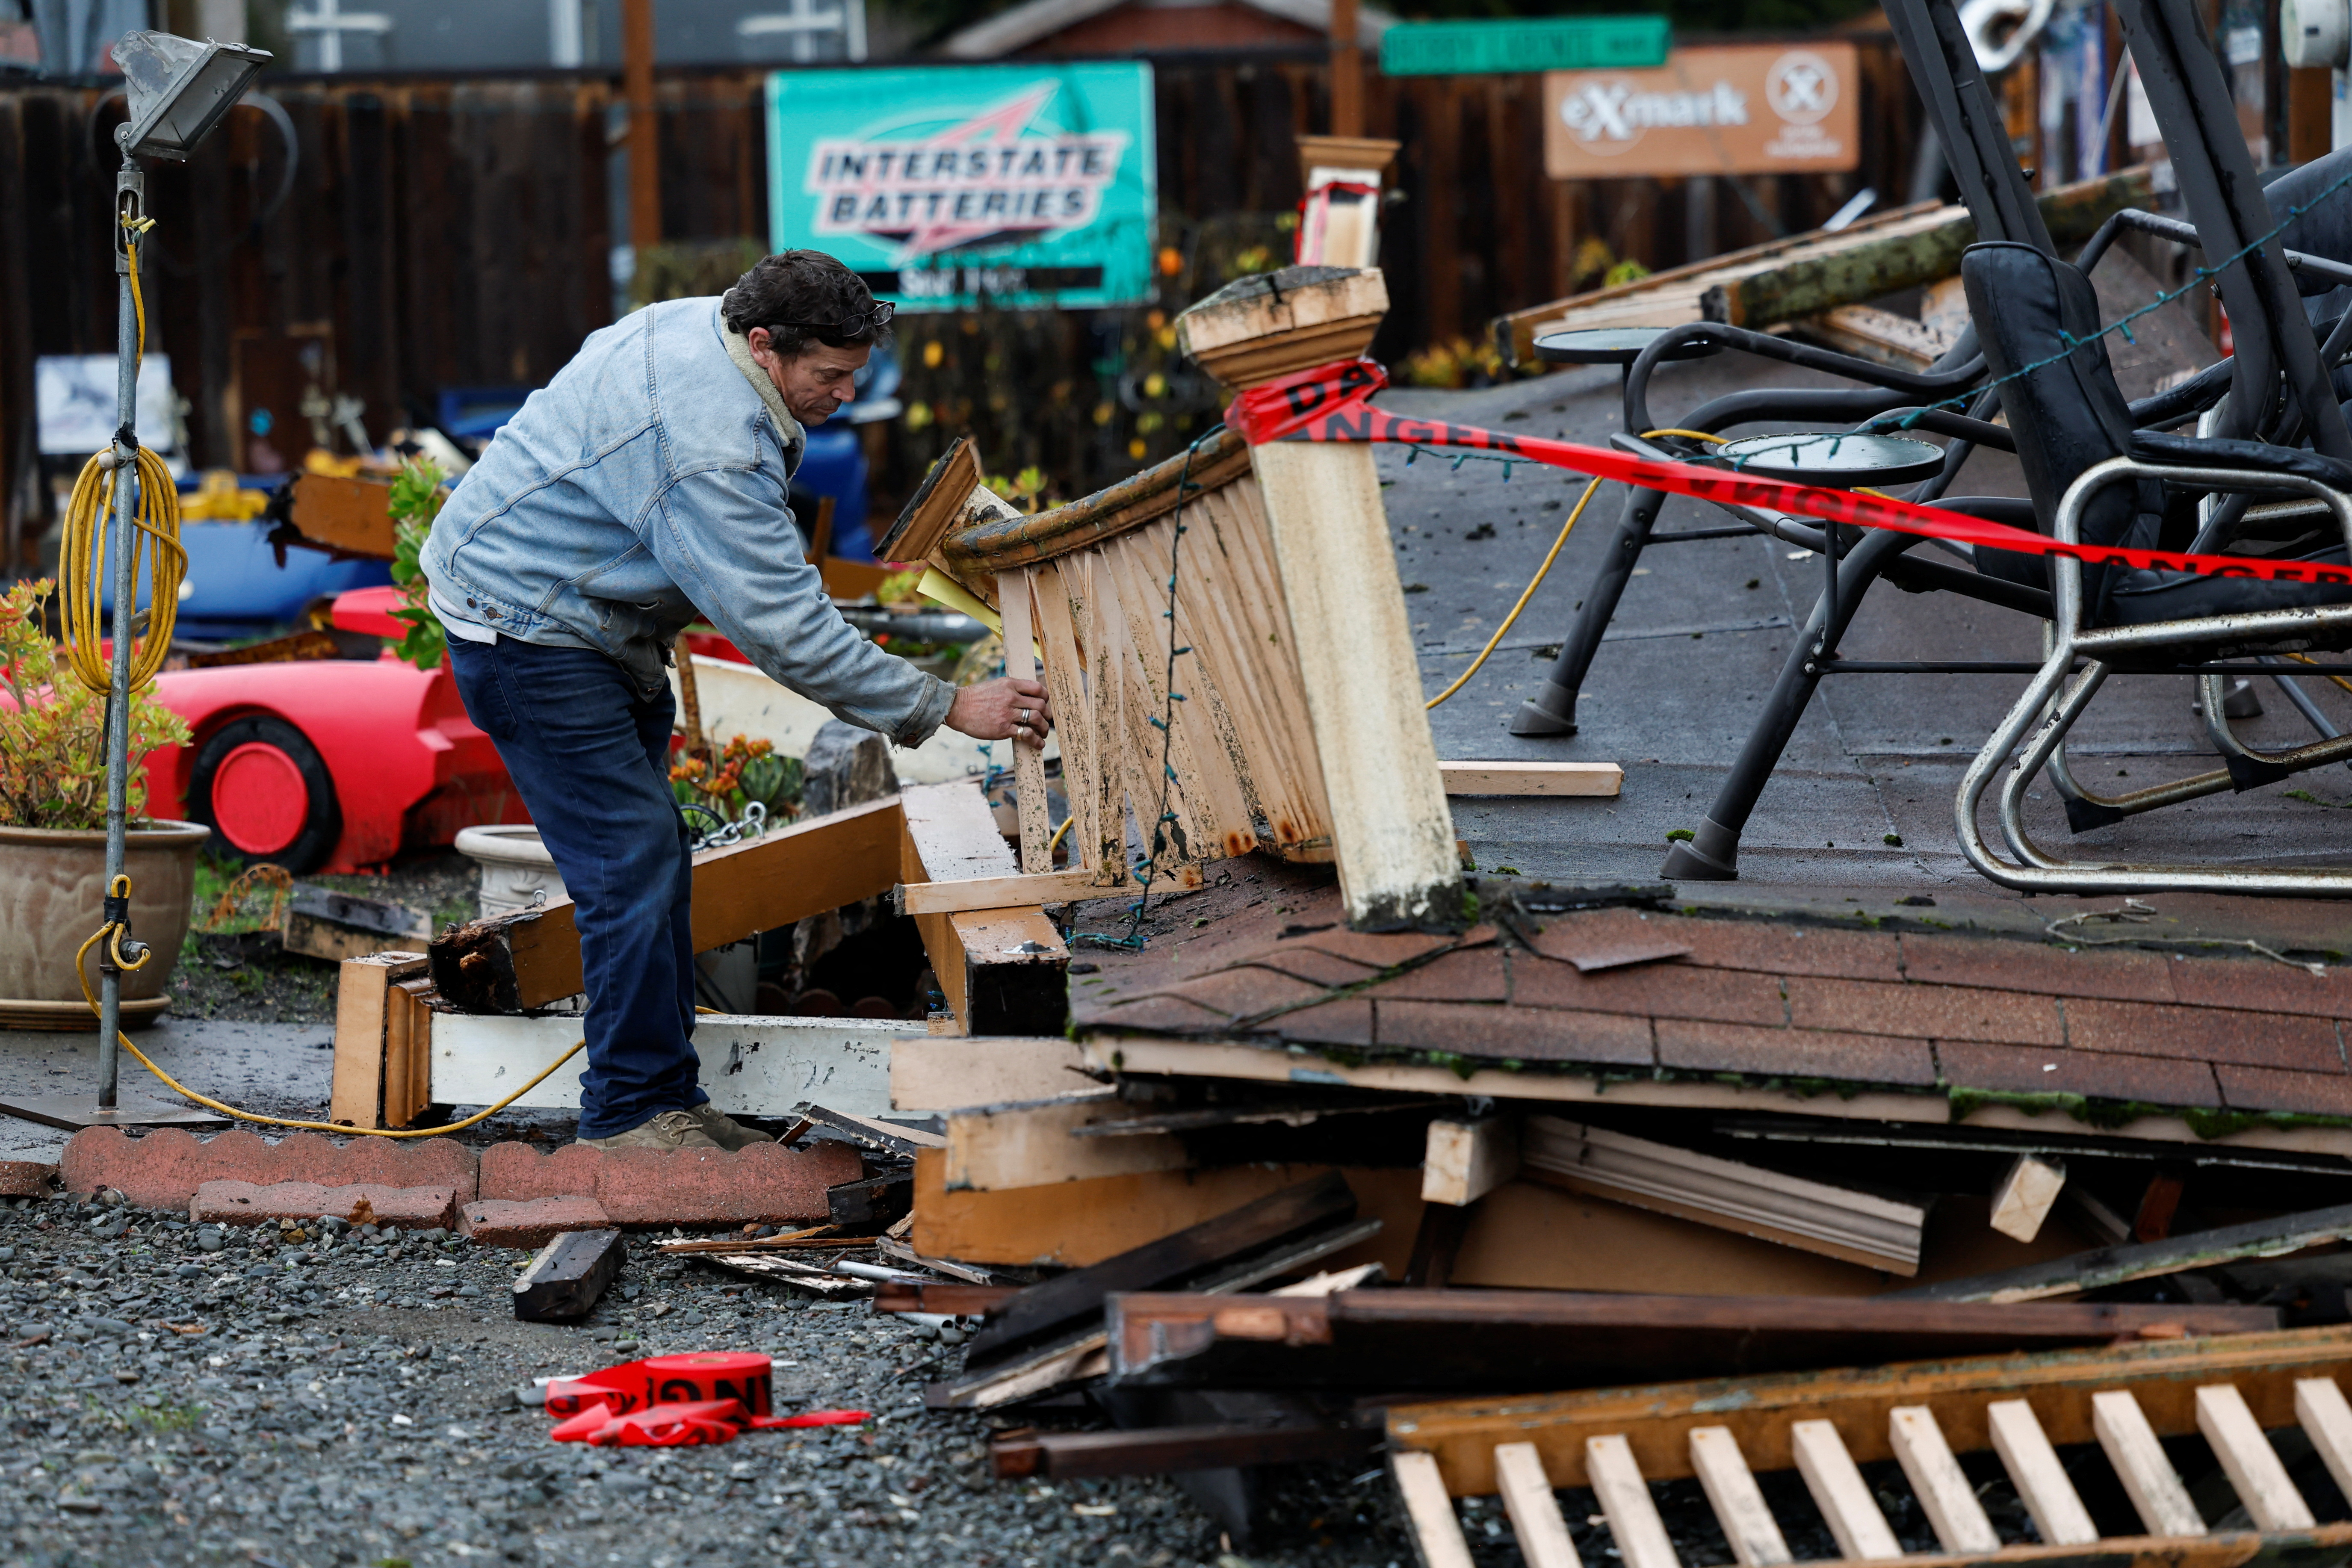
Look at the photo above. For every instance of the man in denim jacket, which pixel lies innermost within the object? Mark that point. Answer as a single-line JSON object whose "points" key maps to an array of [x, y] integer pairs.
{"points": [[642, 486]]}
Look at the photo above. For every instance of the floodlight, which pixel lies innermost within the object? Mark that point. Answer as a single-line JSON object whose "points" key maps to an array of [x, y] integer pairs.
{"points": [[178, 90]]}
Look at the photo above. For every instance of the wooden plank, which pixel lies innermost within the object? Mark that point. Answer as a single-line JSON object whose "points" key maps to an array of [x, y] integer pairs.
{"points": [[1532, 778], [1074, 713], [356, 1096], [1814, 1216], [2143, 1260], [996, 1147], [1944, 1492], [887, 1137], [1046, 1309], [1025, 890], [940, 1072], [1536, 1522], [407, 1051], [1464, 1160], [1501, 1339], [354, 515], [1160, 1450], [1435, 1533], [2029, 1189], [2032, 1464], [2059, 1384], [570, 1272], [1004, 970], [786, 875], [1747, 1524], [1028, 760], [2253, 1465], [1624, 1500], [1840, 1492], [2327, 1420], [954, 1298], [2162, 1503]]}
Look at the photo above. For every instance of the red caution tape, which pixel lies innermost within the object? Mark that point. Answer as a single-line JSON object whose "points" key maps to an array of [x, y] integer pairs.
{"points": [[1331, 403], [676, 1401]]}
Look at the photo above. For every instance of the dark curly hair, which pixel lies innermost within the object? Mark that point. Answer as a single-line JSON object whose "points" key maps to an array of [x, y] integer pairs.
{"points": [[787, 291]]}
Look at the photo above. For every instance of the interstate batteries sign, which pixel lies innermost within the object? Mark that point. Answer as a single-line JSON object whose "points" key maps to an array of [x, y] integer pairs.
{"points": [[1034, 186], [1745, 109]]}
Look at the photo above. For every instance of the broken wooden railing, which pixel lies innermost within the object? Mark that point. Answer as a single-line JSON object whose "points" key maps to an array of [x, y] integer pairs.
{"points": [[2125, 1398], [1264, 581]]}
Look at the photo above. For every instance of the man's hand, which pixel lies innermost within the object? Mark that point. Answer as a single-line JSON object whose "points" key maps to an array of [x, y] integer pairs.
{"points": [[994, 709]]}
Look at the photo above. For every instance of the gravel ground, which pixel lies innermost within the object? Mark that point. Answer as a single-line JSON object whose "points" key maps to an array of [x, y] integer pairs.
{"points": [[173, 1395]]}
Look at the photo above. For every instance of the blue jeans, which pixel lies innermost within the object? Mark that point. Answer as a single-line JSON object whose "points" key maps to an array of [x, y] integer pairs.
{"points": [[588, 752]]}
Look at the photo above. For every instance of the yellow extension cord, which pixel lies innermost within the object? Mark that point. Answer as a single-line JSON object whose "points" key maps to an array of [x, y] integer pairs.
{"points": [[1536, 581], [81, 566]]}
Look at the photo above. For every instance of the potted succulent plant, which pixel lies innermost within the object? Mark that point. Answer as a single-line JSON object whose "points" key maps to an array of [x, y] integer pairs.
{"points": [[53, 832]]}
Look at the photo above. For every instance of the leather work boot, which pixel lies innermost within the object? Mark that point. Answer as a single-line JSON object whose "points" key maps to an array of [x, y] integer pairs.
{"points": [[667, 1130], [724, 1130]]}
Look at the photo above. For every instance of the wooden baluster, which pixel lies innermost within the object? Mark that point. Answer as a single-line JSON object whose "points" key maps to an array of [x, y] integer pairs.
{"points": [[1543, 1537], [1944, 1492], [2138, 1458], [2024, 1448], [1747, 1524], [1436, 1533], [1840, 1492], [2326, 1419], [1625, 1503], [2253, 1464]]}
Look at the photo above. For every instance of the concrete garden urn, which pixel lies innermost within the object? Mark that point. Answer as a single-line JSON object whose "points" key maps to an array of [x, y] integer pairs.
{"points": [[52, 892]]}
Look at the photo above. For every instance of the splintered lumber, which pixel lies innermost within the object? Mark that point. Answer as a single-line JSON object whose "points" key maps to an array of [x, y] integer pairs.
{"points": [[1022, 888], [1837, 1222], [1532, 778], [513, 962], [1800, 285], [890, 1137], [1467, 1160], [1350, 637], [1004, 969], [2027, 1193], [991, 1147], [570, 1272], [952, 1299], [1050, 1330], [1028, 761], [1159, 1450], [2143, 1260], [929, 1073], [2058, 1385], [321, 922], [1879, 336], [1519, 1339]]}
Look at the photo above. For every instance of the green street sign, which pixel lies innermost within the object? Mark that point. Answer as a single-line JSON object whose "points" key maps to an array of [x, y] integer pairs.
{"points": [[1526, 44]]}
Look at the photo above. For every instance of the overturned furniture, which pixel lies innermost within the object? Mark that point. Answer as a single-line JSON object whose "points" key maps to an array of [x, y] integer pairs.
{"points": [[1224, 634]]}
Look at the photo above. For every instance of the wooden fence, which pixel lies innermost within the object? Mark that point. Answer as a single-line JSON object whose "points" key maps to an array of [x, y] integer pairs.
{"points": [[446, 233]]}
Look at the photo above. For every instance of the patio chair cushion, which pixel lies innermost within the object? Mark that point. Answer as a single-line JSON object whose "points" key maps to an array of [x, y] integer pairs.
{"points": [[2069, 414]]}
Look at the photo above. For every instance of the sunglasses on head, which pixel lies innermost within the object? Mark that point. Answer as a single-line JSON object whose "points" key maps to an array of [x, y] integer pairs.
{"points": [[877, 318]]}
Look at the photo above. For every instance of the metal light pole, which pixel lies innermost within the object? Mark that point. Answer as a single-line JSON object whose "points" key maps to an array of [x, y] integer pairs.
{"points": [[177, 89]]}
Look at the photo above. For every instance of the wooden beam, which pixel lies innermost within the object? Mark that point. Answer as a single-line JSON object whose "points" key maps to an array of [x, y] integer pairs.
{"points": [[1392, 832], [1024, 889], [1156, 1450], [995, 1147], [1004, 971], [2144, 1260], [1464, 1160], [1836, 1222], [361, 1004], [570, 1273], [1532, 778], [743, 888], [408, 1051], [644, 125], [2059, 1385], [2027, 1193], [940, 1072]]}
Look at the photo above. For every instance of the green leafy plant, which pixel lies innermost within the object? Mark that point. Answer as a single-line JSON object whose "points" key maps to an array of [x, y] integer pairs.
{"points": [[416, 497], [53, 728], [746, 770]]}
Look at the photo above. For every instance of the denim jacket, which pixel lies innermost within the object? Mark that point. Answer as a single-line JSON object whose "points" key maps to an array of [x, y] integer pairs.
{"points": [[646, 483]]}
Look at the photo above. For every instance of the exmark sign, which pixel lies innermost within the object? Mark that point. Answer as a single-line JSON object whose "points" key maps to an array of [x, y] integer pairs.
{"points": [[1030, 185], [1746, 108]]}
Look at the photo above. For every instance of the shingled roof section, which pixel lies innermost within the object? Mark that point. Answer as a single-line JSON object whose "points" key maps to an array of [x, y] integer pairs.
{"points": [[1752, 1000]]}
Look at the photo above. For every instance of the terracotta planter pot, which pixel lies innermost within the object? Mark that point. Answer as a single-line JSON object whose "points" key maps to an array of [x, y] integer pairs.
{"points": [[52, 888]]}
